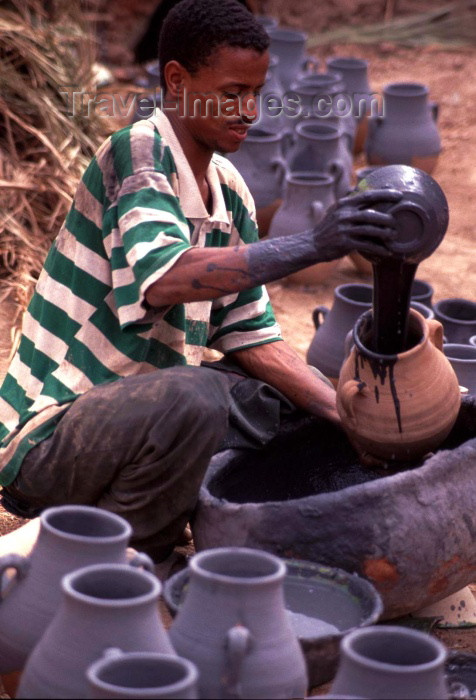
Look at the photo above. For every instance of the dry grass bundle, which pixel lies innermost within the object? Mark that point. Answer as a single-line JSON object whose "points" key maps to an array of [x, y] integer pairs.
{"points": [[43, 150], [451, 25]]}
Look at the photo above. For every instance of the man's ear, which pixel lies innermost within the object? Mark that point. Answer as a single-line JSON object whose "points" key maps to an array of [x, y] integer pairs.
{"points": [[174, 75]]}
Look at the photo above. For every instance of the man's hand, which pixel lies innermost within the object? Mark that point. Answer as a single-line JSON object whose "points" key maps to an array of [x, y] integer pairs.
{"points": [[353, 224]]}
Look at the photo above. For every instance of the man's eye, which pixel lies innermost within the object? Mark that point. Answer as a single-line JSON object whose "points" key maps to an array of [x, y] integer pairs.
{"points": [[230, 95]]}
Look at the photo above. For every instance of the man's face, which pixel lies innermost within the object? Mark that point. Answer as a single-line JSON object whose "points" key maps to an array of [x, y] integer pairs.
{"points": [[218, 102]]}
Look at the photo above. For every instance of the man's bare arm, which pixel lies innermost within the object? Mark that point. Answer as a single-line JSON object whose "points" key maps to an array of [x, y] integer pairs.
{"points": [[280, 366], [209, 273]]}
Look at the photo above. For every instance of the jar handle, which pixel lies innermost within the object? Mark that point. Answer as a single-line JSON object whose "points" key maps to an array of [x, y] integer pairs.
{"points": [[337, 169], [237, 645], [435, 333], [318, 210], [18, 562], [347, 393], [140, 560], [321, 309], [281, 166]]}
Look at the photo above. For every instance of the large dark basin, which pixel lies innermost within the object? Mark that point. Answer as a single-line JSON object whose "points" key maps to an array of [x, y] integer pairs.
{"points": [[412, 533]]}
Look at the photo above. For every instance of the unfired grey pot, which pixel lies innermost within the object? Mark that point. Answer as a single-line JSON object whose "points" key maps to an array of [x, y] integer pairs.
{"points": [[305, 496]]}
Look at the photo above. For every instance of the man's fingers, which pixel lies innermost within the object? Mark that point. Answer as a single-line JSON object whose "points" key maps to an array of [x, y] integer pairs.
{"points": [[360, 233], [371, 197], [368, 216]]}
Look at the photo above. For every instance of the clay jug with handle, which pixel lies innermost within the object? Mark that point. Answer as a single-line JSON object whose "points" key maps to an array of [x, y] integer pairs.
{"points": [[307, 197], [398, 408], [70, 536], [406, 133], [318, 147], [234, 627], [260, 161], [102, 606]]}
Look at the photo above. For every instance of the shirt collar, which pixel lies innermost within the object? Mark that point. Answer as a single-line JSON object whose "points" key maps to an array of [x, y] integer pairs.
{"points": [[191, 200]]}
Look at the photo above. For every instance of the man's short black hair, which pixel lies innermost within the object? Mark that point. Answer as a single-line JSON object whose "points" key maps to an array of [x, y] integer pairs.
{"points": [[194, 29]]}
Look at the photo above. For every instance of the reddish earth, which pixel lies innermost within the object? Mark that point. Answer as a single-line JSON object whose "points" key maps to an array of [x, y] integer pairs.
{"points": [[449, 75]]}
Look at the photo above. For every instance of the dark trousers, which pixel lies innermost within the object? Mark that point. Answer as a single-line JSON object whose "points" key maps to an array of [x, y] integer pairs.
{"points": [[138, 447]]}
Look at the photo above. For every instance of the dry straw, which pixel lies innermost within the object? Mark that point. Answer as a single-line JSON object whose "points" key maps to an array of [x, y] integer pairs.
{"points": [[43, 150]]}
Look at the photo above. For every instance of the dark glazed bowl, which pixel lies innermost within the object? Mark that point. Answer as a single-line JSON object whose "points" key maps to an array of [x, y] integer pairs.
{"points": [[422, 214], [325, 603]]}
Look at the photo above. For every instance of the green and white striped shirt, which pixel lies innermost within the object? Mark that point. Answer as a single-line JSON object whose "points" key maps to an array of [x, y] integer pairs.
{"points": [[137, 209]]}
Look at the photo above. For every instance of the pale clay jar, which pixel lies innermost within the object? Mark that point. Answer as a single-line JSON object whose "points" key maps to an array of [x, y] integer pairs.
{"points": [[307, 197], [103, 605], [398, 407], [70, 537], [250, 649]]}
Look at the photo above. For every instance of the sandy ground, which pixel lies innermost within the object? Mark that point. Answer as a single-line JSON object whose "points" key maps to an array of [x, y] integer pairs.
{"points": [[451, 269]]}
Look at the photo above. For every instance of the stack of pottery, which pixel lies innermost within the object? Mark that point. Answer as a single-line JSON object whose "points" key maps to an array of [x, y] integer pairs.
{"points": [[354, 72], [307, 196], [406, 132]]}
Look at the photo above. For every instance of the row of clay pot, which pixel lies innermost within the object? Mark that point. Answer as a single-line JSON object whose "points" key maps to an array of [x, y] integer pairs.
{"points": [[79, 592], [95, 631]]}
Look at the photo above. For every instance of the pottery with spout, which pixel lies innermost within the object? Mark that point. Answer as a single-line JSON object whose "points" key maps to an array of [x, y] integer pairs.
{"points": [[307, 197], [70, 536], [102, 605], [398, 407], [233, 625], [406, 133]]}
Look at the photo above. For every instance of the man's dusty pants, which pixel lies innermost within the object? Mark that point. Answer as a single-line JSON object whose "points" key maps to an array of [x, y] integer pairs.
{"points": [[138, 447]]}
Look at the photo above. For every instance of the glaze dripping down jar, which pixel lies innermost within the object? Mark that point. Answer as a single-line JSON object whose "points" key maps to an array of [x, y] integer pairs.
{"points": [[398, 407]]}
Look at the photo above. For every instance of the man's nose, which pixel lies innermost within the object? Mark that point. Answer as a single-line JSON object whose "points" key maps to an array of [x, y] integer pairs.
{"points": [[249, 109]]}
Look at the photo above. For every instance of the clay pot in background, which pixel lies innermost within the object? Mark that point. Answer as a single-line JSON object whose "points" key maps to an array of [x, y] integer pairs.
{"points": [[398, 407], [307, 197], [141, 674], [354, 73], [463, 360], [327, 348], [249, 649], [318, 148], [103, 605], [267, 21], [391, 662], [261, 163], [458, 317], [70, 536], [422, 292], [289, 46], [272, 118], [406, 133]]}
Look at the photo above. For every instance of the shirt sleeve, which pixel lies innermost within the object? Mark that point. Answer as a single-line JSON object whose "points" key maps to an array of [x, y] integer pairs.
{"points": [[246, 319], [154, 234]]}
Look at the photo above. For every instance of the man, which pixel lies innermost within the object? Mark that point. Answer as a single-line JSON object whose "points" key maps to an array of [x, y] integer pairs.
{"points": [[104, 402]]}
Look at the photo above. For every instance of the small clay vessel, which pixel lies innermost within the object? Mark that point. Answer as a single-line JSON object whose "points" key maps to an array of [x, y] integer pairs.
{"points": [[327, 348], [462, 358], [318, 147], [289, 46], [70, 537], [249, 649], [267, 21], [271, 118], [354, 73], [142, 674], [406, 133], [458, 317], [307, 196], [102, 605], [261, 163], [398, 407], [391, 662]]}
